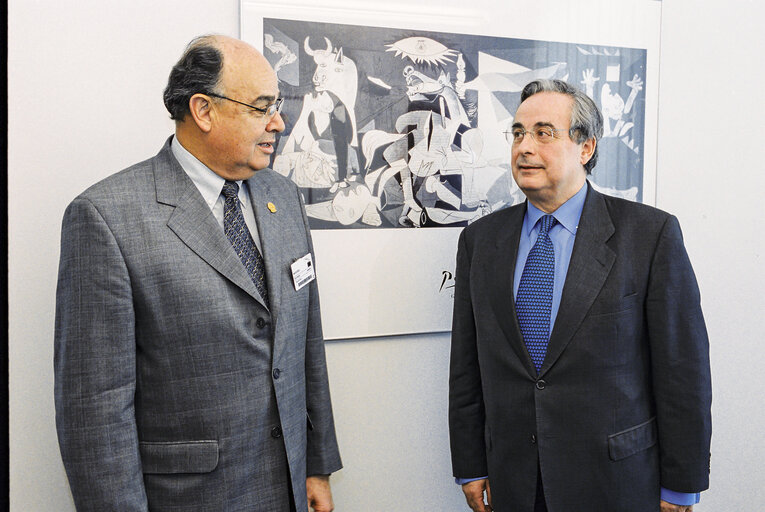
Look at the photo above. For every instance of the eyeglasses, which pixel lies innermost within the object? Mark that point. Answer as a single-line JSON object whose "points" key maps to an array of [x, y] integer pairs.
{"points": [[540, 134], [270, 111]]}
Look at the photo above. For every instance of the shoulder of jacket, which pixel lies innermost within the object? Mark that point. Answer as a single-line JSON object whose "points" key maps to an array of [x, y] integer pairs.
{"points": [[129, 180], [621, 206], [500, 217]]}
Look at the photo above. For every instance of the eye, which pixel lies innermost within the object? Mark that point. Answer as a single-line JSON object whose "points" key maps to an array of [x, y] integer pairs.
{"points": [[518, 134], [544, 134]]}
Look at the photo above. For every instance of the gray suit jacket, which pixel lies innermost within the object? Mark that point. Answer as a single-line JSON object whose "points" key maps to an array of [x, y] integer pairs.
{"points": [[622, 403], [176, 388]]}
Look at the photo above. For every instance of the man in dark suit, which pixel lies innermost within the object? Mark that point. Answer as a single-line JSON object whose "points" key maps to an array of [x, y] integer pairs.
{"points": [[190, 372], [579, 374]]}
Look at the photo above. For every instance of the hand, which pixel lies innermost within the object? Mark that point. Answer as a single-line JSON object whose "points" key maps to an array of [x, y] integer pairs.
{"points": [[589, 77], [671, 507], [319, 494], [474, 495], [636, 84]]}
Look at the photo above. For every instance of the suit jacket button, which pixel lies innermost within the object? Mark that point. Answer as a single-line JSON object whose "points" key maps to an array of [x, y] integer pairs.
{"points": [[260, 323], [276, 432], [541, 384], [533, 439], [276, 373]]}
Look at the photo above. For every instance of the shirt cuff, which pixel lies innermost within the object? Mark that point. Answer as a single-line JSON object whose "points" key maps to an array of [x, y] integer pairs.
{"points": [[680, 498], [676, 498], [463, 481]]}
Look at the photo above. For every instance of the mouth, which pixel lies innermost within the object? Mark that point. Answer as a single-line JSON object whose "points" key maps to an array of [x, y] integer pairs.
{"points": [[529, 167], [267, 146]]}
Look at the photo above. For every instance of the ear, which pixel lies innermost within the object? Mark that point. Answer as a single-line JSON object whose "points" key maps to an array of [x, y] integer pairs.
{"points": [[200, 107], [588, 148]]}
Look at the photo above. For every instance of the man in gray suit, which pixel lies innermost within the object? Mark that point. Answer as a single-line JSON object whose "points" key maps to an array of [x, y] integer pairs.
{"points": [[189, 357], [579, 374]]}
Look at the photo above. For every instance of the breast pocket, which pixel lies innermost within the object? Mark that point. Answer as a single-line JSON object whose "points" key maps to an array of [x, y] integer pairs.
{"points": [[614, 305]]}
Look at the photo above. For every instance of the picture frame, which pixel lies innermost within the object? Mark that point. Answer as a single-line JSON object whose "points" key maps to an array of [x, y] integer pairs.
{"points": [[403, 143]]}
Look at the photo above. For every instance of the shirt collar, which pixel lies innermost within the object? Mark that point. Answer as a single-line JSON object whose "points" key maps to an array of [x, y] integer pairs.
{"points": [[567, 214], [209, 184]]}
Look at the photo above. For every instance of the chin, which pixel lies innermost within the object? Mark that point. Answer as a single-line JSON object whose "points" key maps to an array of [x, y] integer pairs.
{"points": [[259, 163], [531, 182]]}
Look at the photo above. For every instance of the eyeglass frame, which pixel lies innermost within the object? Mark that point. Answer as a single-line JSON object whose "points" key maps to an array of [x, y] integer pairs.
{"points": [[276, 106], [510, 137]]}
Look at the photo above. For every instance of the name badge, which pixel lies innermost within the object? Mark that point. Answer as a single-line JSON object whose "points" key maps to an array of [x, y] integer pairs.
{"points": [[302, 271]]}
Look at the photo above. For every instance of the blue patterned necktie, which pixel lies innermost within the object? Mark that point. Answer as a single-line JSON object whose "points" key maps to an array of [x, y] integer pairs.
{"points": [[533, 302], [241, 239]]}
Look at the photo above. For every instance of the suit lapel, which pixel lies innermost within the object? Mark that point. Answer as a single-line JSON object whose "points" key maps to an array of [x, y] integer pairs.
{"points": [[271, 232], [591, 262], [193, 222], [501, 294]]}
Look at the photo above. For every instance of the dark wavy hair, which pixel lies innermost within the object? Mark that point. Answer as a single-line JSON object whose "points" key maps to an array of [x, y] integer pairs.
{"points": [[197, 71], [586, 119]]}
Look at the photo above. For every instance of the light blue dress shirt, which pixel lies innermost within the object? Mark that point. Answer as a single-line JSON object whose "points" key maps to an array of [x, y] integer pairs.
{"points": [[562, 236]]}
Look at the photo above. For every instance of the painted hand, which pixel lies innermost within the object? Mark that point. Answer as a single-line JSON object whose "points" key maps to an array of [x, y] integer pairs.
{"points": [[589, 78], [636, 84]]}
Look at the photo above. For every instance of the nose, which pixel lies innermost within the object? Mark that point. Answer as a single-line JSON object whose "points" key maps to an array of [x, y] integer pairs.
{"points": [[526, 145], [276, 124]]}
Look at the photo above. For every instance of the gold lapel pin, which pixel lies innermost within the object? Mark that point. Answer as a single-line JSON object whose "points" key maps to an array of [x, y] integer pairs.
{"points": [[271, 207]]}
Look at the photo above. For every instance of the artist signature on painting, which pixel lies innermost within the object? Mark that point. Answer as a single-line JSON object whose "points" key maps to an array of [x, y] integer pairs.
{"points": [[447, 283]]}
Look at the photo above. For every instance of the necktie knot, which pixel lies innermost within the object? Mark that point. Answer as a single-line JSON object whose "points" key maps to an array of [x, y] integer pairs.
{"points": [[230, 189], [548, 221]]}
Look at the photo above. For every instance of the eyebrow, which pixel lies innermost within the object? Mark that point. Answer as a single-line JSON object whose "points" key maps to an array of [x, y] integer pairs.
{"points": [[536, 125], [269, 98]]}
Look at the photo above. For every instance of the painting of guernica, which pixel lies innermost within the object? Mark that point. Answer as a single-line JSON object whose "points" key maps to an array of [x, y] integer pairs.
{"points": [[392, 128]]}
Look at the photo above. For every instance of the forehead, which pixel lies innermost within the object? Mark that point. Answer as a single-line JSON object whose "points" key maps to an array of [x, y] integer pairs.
{"points": [[247, 72], [545, 108]]}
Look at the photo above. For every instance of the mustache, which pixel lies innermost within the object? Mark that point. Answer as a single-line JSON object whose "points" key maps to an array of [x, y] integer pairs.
{"points": [[524, 163]]}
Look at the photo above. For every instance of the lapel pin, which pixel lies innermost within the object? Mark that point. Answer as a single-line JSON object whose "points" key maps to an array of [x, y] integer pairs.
{"points": [[271, 207]]}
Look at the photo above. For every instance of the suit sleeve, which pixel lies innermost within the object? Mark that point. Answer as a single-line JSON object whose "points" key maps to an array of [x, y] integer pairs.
{"points": [[94, 365], [680, 365], [323, 455], [466, 409]]}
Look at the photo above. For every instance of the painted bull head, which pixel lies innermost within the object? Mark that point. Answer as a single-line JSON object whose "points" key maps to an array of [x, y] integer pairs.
{"points": [[334, 71]]}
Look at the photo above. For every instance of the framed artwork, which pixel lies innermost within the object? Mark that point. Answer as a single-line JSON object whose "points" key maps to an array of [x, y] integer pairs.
{"points": [[396, 137]]}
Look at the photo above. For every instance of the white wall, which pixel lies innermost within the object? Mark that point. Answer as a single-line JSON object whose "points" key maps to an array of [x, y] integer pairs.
{"points": [[85, 83], [711, 174]]}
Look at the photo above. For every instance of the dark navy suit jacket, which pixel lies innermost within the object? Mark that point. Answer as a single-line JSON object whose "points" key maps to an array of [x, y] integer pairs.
{"points": [[621, 405]]}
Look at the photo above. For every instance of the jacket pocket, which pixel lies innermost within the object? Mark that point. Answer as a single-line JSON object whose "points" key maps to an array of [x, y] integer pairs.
{"points": [[179, 457], [635, 439], [606, 306]]}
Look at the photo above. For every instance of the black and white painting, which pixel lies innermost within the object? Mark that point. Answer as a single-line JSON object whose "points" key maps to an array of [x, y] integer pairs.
{"points": [[393, 128], [395, 137]]}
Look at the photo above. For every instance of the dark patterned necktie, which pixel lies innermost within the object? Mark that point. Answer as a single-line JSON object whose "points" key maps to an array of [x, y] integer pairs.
{"points": [[241, 239], [533, 301]]}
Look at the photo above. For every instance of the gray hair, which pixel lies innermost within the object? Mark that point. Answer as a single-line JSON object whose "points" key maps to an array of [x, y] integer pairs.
{"points": [[197, 71], [586, 119]]}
